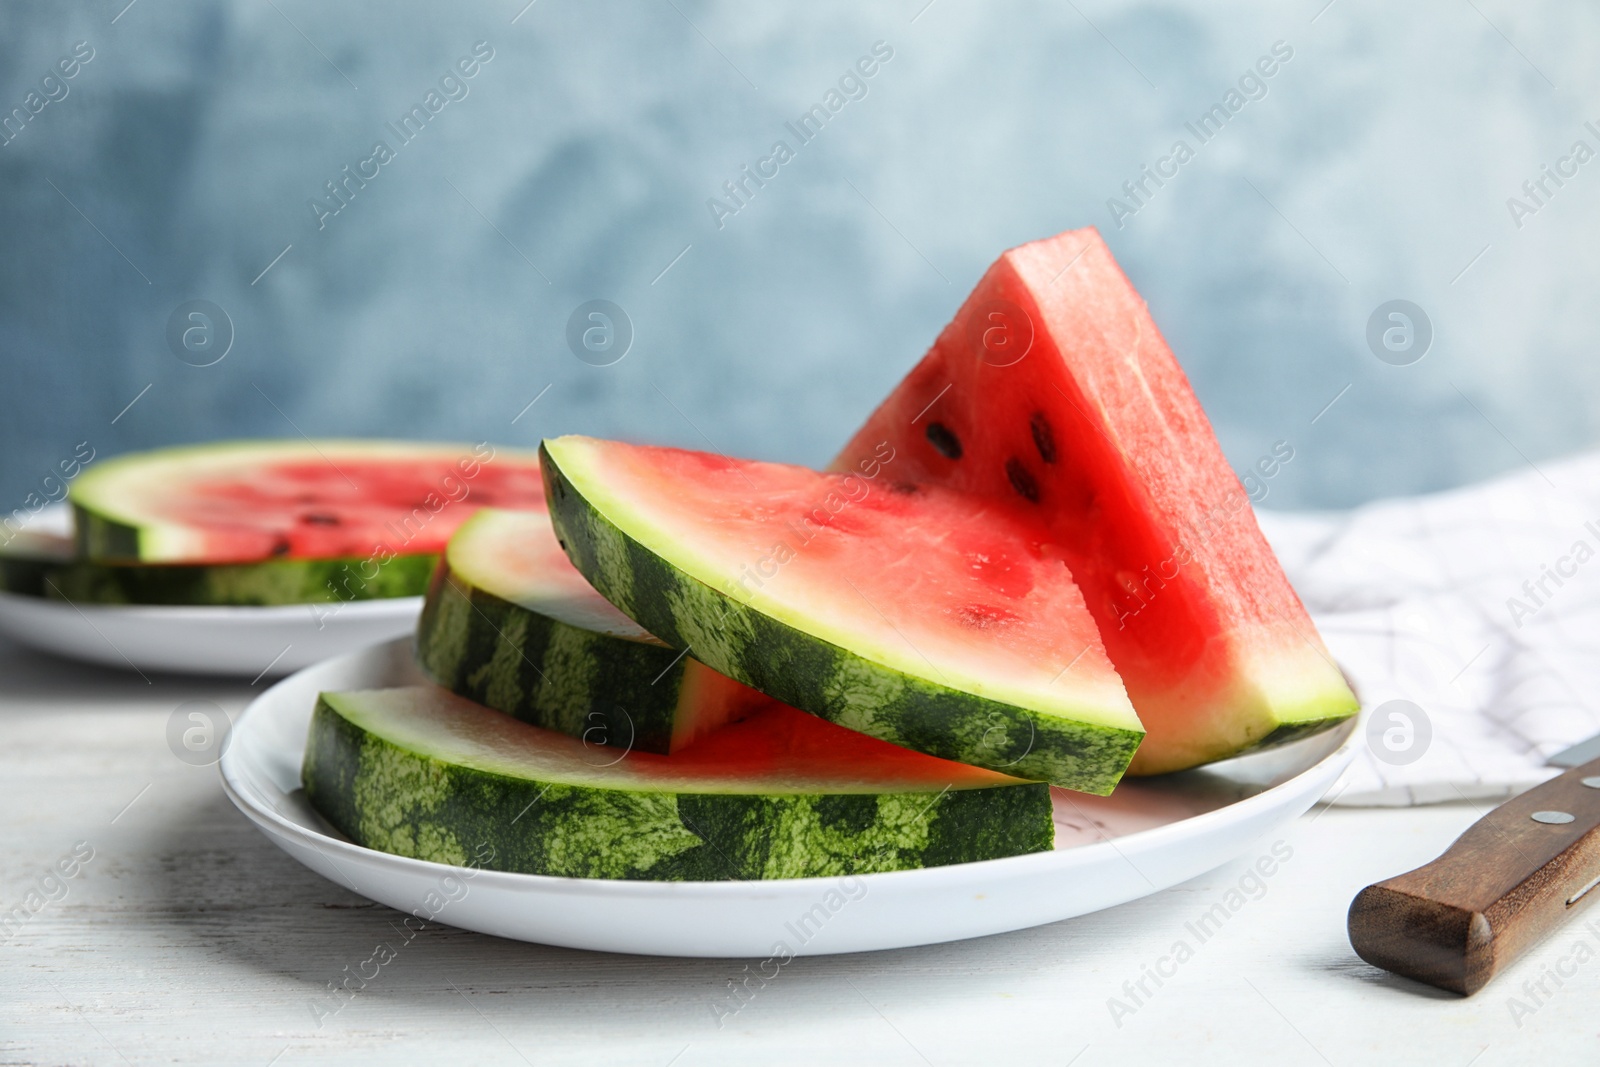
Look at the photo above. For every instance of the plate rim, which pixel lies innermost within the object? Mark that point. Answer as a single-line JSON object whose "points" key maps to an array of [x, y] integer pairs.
{"points": [[215, 612], [1332, 765]]}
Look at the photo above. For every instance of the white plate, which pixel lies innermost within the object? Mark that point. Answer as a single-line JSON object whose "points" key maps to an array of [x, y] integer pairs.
{"points": [[1148, 835], [248, 642], [245, 642]]}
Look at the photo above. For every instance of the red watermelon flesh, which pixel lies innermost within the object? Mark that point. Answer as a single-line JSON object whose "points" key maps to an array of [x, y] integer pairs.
{"points": [[239, 502], [1053, 389], [924, 617]]}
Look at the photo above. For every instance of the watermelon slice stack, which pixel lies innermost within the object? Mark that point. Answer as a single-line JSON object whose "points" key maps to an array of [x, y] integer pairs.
{"points": [[1031, 568], [1032, 563], [629, 760]]}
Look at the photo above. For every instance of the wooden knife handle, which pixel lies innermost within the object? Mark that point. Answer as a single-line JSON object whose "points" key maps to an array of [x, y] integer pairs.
{"points": [[1510, 879]]}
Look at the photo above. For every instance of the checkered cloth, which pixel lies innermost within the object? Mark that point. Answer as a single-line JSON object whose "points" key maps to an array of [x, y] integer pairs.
{"points": [[1480, 606]]}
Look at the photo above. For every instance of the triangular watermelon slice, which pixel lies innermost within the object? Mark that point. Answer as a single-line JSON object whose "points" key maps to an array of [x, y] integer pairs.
{"points": [[917, 615], [1054, 391]]}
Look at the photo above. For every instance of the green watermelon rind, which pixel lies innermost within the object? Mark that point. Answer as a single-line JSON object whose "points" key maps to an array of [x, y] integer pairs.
{"points": [[270, 583], [1288, 732], [392, 798], [509, 623], [821, 677], [26, 577], [101, 537], [604, 688]]}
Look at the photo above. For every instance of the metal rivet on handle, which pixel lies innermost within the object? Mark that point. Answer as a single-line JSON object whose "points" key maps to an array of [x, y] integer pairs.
{"points": [[1554, 818], [1592, 783]]}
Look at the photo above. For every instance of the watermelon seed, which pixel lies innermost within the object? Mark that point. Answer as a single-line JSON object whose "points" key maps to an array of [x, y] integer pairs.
{"points": [[1044, 439], [320, 518], [1021, 480], [947, 443]]}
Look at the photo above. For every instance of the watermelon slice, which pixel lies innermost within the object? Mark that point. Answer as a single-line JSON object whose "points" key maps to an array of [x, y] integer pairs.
{"points": [[919, 616], [1054, 390], [424, 773], [44, 563], [510, 623], [266, 584], [247, 501]]}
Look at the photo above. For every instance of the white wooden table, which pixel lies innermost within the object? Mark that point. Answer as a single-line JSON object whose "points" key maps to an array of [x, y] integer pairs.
{"points": [[189, 938]]}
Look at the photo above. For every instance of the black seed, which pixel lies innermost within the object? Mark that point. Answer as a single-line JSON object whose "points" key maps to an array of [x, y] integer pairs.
{"points": [[904, 488], [320, 518], [1021, 480], [1044, 438], [280, 546], [947, 443]]}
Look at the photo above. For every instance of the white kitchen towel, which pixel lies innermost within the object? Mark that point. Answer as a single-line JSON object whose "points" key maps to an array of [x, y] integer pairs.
{"points": [[1478, 606]]}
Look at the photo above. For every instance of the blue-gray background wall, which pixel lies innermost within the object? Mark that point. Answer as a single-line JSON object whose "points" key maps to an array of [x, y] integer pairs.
{"points": [[183, 156]]}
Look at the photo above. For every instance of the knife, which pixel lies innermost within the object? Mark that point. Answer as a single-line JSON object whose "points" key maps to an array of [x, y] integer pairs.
{"points": [[1514, 876]]}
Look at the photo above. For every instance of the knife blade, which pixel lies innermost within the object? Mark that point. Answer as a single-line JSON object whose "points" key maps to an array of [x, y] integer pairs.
{"points": [[1516, 874], [1577, 755]]}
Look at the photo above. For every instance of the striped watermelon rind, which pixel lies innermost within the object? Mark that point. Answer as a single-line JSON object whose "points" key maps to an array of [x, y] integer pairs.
{"points": [[44, 567], [810, 672], [510, 624], [420, 772], [270, 583]]}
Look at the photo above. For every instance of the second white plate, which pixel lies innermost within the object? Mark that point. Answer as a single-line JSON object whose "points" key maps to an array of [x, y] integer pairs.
{"points": [[249, 642], [241, 642], [1148, 835]]}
